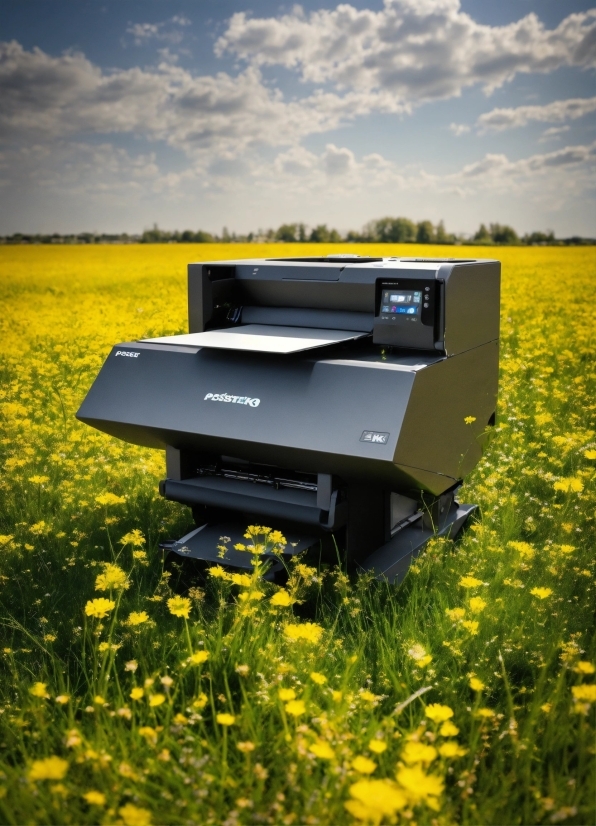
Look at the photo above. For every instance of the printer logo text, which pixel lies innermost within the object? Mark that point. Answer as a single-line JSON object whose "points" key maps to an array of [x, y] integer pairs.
{"points": [[130, 353], [225, 397]]}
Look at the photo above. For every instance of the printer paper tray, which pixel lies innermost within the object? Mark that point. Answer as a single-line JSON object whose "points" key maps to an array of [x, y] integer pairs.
{"points": [[262, 338]]}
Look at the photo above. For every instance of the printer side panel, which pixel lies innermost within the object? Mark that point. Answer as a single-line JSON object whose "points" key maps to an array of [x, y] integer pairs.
{"points": [[210, 286], [472, 304]]}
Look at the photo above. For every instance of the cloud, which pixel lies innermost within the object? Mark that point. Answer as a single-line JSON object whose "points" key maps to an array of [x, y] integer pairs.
{"points": [[556, 112], [416, 50], [167, 31]]}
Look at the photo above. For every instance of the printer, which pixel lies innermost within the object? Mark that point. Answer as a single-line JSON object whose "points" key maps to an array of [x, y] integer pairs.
{"points": [[340, 399]]}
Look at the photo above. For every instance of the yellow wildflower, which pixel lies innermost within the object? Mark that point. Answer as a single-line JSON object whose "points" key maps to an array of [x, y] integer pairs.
{"points": [[420, 786], [319, 679], [39, 480], [286, 694], [469, 419], [39, 690], [566, 549], [134, 538], [570, 484], [587, 693], [470, 582], [414, 752], [62, 699], [307, 631], [201, 701], [524, 549], [99, 700], [110, 499], [472, 626], [541, 593], [584, 667], [113, 577], [198, 657], [137, 693], [452, 749], [179, 606], [225, 719], [245, 746], [50, 768], [438, 713], [477, 605], [476, 684], [377, 746], [295, 708], [322, 750], [455, 614], [244, 580], [156, 700], [94, 798], [148, 733], [448, 729], [418, 653], [375, 799], [546, 707], [137, 618], [134, 815], [99, 607], [281, 599], [590, 454], [487, 713], [368, 696], [363, 765]]}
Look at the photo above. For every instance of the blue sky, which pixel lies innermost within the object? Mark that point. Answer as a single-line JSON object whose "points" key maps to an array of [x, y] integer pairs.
{"points": [[118, 115]]}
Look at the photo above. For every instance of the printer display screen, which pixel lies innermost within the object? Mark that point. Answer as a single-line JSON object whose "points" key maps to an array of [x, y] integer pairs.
{"points": [[401, 302]]}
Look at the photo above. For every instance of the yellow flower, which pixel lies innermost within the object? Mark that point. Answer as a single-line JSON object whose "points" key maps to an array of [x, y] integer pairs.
{"points": [[322, 750], [286, 694], [378, 746], [245, 746], [470, 582], [99, 607], [218, 572], [134, 815], [99, 700], [50, 768], [375, 799], [587, 693], [420, 786], [198, 657], [363, 765], [113, 577], [524, 549], [469, 419], [156, 700], [39, 480], [201, 701], [541, 593], [438, 713], [455, 614], [414, 752], [368, 696], [137, 693], [110, 499], [95, 798], [477, 605], [448, 729], [546, 707], [62, 699], [590, 454], [569, 484], [452, 749], [137, 618], [567, 549], [148, 733], [134, 538], [225, 719], [244, 580], [307, 631], [281, 599], [487, 713], [295, 708], [584, 667], [472, 626], [476, 684], [319, 679], [179, 606], [39, 690]]}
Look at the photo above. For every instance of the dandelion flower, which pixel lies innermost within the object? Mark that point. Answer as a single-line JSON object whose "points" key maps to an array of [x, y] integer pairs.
{"points": [[113, 577], [281, 599], [40, 690], [179, 606], [590, 454], [134, 538], [476, 684], [286, 694], [95, 798], [156, 700], [452, 749], [487, 713], [477, 605], [225, 719], [471, 626], [363, 765], [137, 618], [375, 799], [469, 419], [584, 667], [110, 499], [377, 746], [455, 614], [245, 746], [319, 679], [587, 693], [148, 733], [368, 696], [322, 750], [448, 729], [137, 693], [99, 607], [99, 700], [244, 580], [571, 484], [414, 752], [201, 701], [198, 658], [62, 699], [541, 593], [307, 631], [438, 713], [470, 582], [50, 768], [420, 786], [546, 707], [295, 708], [134, 815]]}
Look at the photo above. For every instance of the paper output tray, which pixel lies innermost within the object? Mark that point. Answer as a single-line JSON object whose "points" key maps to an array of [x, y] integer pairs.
{"points": [[262, 338]]}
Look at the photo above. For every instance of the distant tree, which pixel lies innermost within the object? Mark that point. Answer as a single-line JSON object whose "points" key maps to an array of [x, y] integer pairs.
{"points": [[302, 233], [503, 234], [482, 236], [320, 235], [390, 231], [442, 236], [547, 237], [287, 233], [425, 233]]}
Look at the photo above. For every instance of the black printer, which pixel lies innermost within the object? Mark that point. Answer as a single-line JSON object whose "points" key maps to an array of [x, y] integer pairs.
{"points": [[342, 397]]}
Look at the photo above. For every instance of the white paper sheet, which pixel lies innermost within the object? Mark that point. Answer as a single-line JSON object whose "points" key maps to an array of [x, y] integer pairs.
{"points": [[261, 338]]}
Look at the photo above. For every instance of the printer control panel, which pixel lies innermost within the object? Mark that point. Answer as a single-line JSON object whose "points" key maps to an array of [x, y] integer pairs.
{"points": [[406, 312]]}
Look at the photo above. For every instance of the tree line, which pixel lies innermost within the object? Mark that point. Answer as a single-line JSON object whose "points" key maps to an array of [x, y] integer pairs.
{"points": [[381, 231]]}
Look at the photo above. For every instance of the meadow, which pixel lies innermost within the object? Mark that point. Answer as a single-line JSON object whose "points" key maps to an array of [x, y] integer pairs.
{"points": [[465, 695]]}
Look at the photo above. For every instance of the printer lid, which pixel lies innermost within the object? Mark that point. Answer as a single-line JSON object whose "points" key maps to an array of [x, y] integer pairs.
{"points": [[262, 338]]}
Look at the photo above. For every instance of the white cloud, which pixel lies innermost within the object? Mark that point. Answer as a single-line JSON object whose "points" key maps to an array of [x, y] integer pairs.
{"points": [[418, 50], [555, 112], [167, 31]]}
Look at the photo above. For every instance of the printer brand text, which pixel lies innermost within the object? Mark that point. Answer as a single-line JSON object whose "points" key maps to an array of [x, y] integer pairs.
{"points": [[225, 397], [130, 353]]}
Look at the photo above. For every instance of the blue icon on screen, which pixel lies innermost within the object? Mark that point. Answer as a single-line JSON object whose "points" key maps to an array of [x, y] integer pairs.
{"points": [[411, 309]]}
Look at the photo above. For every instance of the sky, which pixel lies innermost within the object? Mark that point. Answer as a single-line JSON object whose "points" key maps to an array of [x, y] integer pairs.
{"points": [[204, 114]]}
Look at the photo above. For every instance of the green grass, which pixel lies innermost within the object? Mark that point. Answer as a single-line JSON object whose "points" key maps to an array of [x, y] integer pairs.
{"points": [[525, 750]]}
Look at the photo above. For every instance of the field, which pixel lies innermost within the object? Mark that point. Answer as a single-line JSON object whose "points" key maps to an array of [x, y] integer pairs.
{"points": [[242, 703]]}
